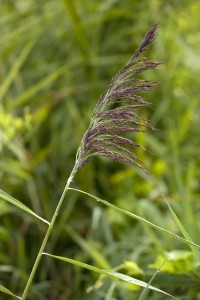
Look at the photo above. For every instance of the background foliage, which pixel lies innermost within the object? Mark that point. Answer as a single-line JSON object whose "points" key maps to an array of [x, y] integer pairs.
{"points": [[57, 58]]}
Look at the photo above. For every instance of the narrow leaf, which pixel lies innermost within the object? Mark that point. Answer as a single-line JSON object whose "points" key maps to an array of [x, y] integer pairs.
{"points": [[30, 92], [20, 205], [139, 219], [183, 230], [16, 67], [112, 274], [89, 248], [151, 280], [6, 291]]}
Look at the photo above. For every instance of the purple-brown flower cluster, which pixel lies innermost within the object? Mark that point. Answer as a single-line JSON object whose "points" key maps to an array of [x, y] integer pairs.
{"points": [[116, 112]]}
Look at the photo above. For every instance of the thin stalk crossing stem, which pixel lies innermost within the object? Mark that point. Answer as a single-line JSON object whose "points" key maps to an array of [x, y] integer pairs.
{"points": [[46, 237]]}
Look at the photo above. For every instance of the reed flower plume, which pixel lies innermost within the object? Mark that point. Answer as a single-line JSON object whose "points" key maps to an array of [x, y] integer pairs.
{"points": [[116, 114]]}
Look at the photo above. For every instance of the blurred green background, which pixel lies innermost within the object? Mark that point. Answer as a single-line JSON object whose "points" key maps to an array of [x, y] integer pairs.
{"points": [[56, 59]]}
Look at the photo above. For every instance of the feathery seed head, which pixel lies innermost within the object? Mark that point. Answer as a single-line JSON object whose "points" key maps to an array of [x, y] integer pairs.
{"points": [[104, 135]]}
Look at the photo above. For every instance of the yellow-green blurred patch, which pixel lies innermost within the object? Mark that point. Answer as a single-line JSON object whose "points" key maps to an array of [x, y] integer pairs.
{"points": [[177, 262], [159, 167], [132, 268]]}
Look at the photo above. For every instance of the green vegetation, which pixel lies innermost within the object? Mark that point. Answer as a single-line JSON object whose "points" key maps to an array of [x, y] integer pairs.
{"points": [[57, 58]]}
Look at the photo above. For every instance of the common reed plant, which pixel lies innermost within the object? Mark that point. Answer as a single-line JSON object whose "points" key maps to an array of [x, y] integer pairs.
{"points": [[104, 135], [109, 134]]}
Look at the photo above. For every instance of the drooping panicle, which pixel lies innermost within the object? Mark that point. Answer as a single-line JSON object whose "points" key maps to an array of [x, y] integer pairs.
{"points": [[105, 134]]}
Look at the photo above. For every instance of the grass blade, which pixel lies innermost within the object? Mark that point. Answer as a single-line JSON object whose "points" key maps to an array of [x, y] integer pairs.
{"points": [[6, 291], [188, 242], [78, 27], [152, 278], [27, 94], [112, 274], [89, 248], [16, 67], [183, 230], [20, 205]]}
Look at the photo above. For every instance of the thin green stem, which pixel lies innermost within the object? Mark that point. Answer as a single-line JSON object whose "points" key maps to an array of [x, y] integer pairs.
{"points": [[46, 237]]}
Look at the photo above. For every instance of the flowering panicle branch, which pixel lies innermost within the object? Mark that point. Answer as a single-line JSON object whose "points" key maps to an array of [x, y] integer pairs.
{"points": [[104, 134]]}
